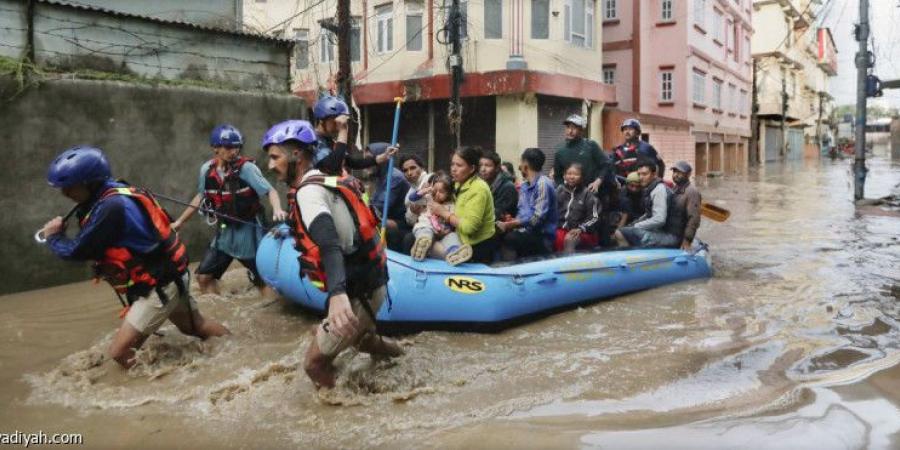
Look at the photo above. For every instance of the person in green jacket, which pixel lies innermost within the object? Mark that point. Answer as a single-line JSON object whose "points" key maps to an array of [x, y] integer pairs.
{"points": [[578, 149], [474, 214]]}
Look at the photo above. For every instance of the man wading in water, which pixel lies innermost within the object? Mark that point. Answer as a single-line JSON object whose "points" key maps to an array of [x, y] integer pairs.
{"points": [[128, 235], [340, 248]]}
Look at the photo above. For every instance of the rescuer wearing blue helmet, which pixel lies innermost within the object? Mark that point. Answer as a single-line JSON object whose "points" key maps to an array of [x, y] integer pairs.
{"points": [[134, 248], [339, 247], [332, 116], [231, 184]]}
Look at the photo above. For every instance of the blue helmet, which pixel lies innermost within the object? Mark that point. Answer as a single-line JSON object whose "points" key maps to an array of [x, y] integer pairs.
{"points": [[226, 135], [631, 123], [79, 164], [290, 130], [329, 106]]}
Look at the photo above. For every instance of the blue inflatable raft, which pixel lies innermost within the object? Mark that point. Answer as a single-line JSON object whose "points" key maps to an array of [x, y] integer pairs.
{"points": [[432, 295]]}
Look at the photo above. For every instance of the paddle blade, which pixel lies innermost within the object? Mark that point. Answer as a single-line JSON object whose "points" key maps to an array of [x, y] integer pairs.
{"points": [[714, 212]]}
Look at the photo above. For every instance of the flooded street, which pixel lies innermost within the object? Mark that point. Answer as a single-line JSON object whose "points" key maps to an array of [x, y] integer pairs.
{"points": [[794, 343]]}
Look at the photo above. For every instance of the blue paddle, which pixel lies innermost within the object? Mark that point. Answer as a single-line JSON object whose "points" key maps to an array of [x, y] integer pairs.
{"points": [[390, 170]]}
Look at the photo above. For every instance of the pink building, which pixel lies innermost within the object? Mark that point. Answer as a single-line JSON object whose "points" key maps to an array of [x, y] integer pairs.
{"points": [[687, 73]]}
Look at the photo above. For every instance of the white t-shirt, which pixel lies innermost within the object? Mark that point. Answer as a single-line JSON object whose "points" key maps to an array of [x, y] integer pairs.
{"points": [[313, 200]]}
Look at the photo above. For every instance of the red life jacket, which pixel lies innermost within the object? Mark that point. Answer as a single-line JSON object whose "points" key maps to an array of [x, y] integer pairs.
{"points": [[231, 195], [626, 159], [137, 274], [366, 268]]}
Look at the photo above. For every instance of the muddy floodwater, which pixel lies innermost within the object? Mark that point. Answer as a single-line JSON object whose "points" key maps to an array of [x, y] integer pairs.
{"points": [[794, 343]]}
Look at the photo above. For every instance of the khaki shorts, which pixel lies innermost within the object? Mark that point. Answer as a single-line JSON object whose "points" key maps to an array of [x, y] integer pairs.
{"points": [[331, 345], [147, 314]]}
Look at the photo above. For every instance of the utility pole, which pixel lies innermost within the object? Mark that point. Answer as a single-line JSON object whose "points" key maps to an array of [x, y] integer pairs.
{"points": [[345, 72], [863, 63], [454, 111]]}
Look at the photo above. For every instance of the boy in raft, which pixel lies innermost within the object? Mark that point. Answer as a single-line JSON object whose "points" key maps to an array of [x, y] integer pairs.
{"points": [[340, 248], [128, 235], [434, 236]]}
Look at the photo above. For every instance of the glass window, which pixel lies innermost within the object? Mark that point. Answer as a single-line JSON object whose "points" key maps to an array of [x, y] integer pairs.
{"points": [[666, 10], [414, 26], [699, 88], [609, 75], [326, 46], [301, 48], [540, 19], [355, 40], [385, 29], [493, 19], [700, 12], [717, 26], [717, 94], [609, 10], [579, 22], [666, 86]]}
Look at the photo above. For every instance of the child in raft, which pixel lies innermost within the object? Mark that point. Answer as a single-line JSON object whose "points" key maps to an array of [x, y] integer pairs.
{"points": [[434, 236], [579, 213]]}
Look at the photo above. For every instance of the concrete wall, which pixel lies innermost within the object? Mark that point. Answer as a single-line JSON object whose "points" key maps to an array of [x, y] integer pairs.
{"points": [[155, 137], [214, 13], [77, 38]]}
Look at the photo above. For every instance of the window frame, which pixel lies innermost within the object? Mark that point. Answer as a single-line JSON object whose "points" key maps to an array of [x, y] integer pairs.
{"points": [[499, 4], [588, 17], [414, 9], [670, 10], [384, 29], [546, 12], [611, 71], [301, 45], [326, 47], [698, 96], [667, 95], [700, 13], [717, 94], [610, 13]]}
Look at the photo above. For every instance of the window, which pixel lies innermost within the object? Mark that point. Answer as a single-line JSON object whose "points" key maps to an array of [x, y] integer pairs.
{"points": [[666, 85], [732, 98], [540, 19], [326, 46], [717, 26], [579, 22], [609, 10], [609, 75], [717, 94], [493, 19], [742, 107], [384, 15], [301, 48], [665, 9], [699, 88], [747, 48], [355, 39], [700, 12], [736, 37], [414, 26], [729, 36]]}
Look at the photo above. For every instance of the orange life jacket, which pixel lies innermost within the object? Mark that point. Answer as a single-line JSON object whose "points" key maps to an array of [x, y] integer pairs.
{"points": [[366, 268], [137, 274], [230, 194]]}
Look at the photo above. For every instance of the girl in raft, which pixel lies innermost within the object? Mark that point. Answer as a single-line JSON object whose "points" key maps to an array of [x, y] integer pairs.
{"points": [[434, 236]]}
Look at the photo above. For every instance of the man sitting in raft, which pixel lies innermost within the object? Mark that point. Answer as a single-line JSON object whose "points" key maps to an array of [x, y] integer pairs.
{"points": [[340, 248], [661, 225], [531, 233], [503, 187], [397, 227], [128, 235], [631, 201]]}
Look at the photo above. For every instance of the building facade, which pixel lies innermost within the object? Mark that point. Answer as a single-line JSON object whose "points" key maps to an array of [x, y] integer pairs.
{"points": [[794, 61], [527, 63], [684, 67]]}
